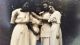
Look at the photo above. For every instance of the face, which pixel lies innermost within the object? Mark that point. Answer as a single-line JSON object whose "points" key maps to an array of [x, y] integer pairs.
{"points": [[25, 7], [51, 9], [45, 5]]}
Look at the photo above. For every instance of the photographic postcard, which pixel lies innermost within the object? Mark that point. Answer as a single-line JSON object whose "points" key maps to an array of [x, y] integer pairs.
{"points": [[39, 22]]}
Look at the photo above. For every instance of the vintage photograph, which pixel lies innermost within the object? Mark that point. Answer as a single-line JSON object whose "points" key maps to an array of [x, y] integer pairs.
{"points": [[39, 22]]}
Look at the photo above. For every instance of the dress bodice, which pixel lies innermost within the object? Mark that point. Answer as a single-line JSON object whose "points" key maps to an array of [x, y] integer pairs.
{"points": [[19, 17]]}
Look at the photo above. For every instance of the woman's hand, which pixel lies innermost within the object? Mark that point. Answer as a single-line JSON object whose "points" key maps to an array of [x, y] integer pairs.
{"points": [[41, 12], [52, 19]]}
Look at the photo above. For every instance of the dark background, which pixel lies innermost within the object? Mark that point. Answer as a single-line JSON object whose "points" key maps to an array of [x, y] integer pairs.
{"points": [[70, 26]]}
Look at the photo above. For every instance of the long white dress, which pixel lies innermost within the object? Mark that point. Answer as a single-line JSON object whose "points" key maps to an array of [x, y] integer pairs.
{"points": [[45, 30], [20, 34], [56, 34], [35, 26]]}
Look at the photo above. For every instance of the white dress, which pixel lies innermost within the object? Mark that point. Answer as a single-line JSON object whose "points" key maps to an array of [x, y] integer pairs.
{"points": [[45, 30], [35, 23], [20, 34], [56, 34]]}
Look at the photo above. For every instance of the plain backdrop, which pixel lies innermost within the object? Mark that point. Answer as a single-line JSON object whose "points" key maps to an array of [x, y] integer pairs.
{"points": [[70, 10]]}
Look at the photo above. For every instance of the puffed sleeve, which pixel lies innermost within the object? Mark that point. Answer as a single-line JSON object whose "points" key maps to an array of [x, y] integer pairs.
{"points": [[13, 16]]}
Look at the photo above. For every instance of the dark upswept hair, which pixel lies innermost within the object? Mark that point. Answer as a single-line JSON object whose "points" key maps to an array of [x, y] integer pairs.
{"points": [[25, 7], [45, 3], [42, 7]]}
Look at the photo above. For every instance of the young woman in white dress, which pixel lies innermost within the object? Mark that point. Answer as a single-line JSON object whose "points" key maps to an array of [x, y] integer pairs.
{"points": [[24, 33], [20, 34], [56, 34], [45, 28]]}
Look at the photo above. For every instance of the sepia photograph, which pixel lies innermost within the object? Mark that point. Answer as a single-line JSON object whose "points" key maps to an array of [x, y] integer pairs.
{"points": [[39, 22]]}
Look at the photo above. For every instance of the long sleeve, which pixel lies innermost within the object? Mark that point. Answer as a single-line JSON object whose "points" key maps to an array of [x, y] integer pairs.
{"points": [[34, 20], [38, 17], [58, 17], [13, 16]]}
